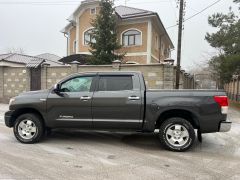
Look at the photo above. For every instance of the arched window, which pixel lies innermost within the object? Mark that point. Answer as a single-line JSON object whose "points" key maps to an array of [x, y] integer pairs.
{"points": [[131, 38], [88, 37]]}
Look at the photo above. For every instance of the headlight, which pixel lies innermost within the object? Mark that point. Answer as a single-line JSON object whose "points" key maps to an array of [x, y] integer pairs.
{"points": [[11, 101]]}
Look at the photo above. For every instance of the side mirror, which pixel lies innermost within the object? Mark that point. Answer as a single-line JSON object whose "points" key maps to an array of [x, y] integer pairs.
{"points": [[56, 88]]}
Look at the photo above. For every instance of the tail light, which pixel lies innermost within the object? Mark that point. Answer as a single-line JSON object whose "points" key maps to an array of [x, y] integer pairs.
{"points": [[222, 102]]}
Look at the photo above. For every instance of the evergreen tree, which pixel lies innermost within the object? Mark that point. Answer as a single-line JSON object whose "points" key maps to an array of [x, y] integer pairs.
{"points": [[227, 40], [105, 45]]}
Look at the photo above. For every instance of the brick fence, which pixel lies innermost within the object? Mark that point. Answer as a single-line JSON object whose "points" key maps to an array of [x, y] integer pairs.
{"points": [[233, 88], [14, 80]]}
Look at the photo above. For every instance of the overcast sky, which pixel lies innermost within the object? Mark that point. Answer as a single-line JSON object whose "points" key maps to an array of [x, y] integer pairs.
{"points": [[35, 26]]}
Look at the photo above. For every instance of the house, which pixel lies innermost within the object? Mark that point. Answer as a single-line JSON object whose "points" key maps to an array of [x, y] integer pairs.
{"points": [[22, 60], [141, 33], [16, 64]]}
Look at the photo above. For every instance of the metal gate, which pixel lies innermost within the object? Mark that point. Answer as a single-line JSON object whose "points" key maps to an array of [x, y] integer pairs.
{"points": [[35, 79]]}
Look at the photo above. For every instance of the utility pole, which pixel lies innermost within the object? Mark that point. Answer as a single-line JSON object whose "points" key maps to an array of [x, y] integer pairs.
{"points": [[179, 45]]}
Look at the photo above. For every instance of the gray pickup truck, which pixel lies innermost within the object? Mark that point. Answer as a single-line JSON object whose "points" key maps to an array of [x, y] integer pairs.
{"points": [[118, 101]]}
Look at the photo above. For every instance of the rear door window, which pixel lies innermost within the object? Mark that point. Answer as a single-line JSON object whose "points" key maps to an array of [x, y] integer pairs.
{"points": [[115, 83]]}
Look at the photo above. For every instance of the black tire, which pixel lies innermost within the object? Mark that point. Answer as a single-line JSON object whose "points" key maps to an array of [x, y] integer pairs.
{"points": [[36, 124], [185, 133]]}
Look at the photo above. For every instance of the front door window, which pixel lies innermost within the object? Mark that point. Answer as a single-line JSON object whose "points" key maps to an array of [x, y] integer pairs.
{"points": [[77, 84]]}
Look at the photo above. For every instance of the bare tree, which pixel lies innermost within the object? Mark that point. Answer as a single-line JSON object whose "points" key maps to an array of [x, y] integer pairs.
{"points": [[15, 50]]}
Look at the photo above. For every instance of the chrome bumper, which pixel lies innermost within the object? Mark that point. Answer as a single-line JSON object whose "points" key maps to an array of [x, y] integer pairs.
{"points": [[225, 126]]}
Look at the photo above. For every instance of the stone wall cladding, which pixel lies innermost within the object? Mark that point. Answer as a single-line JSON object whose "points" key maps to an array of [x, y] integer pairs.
{"points": [[15, 80], [55, 74]]}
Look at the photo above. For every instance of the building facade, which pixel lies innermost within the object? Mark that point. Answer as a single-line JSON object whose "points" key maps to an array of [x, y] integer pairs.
{"points": [[140, 32]]}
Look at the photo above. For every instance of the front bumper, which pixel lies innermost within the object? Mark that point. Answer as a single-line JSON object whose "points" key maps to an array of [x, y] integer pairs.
{"points": [[225, 126], [8, 118]]}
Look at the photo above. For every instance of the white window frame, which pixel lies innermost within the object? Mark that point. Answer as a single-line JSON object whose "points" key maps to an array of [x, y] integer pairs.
{"points": [[83, 36], [131, 29]]}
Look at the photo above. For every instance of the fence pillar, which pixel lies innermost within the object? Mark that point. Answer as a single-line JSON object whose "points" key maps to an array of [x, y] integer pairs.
{"points": [[74, 67], [28, 79], [44, 75], [1, 82], [237, 94], [116, 65], [168, 76], [234, 89]]}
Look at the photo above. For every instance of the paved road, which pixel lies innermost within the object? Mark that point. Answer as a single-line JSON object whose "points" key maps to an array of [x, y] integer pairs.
{"points": [[99, 155]]}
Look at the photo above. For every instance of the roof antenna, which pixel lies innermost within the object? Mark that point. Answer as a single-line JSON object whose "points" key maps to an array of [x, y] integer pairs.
{"points": [[126, 2]]}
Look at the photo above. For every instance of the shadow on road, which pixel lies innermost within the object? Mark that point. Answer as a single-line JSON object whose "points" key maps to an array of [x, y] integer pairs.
{"points": [[148, 141]]}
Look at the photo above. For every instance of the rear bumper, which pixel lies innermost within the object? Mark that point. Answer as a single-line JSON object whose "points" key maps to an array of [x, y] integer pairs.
{"points": [[225, 126], [8, 118]]}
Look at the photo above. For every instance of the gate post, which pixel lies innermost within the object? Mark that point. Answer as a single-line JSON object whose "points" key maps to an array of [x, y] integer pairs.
{"points": [[237, 95], [1, 82], [74, 66], [44, 75], [28, 79]]}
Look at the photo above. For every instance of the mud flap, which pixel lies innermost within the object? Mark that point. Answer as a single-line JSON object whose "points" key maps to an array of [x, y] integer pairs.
{"points": [[199, 135]]}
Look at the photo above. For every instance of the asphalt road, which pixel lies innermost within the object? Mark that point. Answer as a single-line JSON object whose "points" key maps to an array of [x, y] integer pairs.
{"points": [[101, 155]]}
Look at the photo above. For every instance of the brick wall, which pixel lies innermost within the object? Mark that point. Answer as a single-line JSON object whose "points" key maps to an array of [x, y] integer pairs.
{"points": [[14, 80]]}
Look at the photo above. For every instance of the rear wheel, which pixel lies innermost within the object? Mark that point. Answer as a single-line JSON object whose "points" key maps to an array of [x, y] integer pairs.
{"points": [[176, 134], [28, 128]]}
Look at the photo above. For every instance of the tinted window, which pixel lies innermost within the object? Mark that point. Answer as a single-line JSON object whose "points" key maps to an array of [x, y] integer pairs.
{"points": [[115, 83], [78, 84]]}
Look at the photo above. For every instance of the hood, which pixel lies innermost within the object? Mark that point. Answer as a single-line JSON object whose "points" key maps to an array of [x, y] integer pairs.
{"points": [[33, 94]]}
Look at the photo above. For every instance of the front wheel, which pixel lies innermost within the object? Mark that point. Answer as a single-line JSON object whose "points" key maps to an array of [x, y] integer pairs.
{"points": [[176, 134], [28, 128]]}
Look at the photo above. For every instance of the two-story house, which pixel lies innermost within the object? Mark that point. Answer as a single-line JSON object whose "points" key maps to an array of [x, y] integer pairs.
{"points": [[141, 33]]}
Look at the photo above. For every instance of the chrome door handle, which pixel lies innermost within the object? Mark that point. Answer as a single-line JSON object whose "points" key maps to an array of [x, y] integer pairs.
{"points": [[85, 98], [133, 98]]}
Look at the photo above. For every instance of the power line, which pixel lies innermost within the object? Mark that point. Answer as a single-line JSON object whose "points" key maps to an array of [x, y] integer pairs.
{"points": [[204, 9], [36, 2], [62, 2]]}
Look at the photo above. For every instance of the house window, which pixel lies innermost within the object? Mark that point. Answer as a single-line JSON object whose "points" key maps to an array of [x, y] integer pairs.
{"points": [[131, 38], [74, 46], [93, 11], [88, 37]]}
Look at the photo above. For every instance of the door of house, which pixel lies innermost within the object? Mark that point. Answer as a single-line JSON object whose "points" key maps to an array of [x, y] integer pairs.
{"points": [[35, 79]]}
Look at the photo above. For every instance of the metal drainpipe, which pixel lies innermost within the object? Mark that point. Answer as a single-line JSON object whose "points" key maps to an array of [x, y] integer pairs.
{"points": [[67, 41]]}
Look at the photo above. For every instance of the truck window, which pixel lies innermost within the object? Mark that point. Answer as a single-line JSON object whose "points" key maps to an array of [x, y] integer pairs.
{"points": [[115, 83], [77, 84]]}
